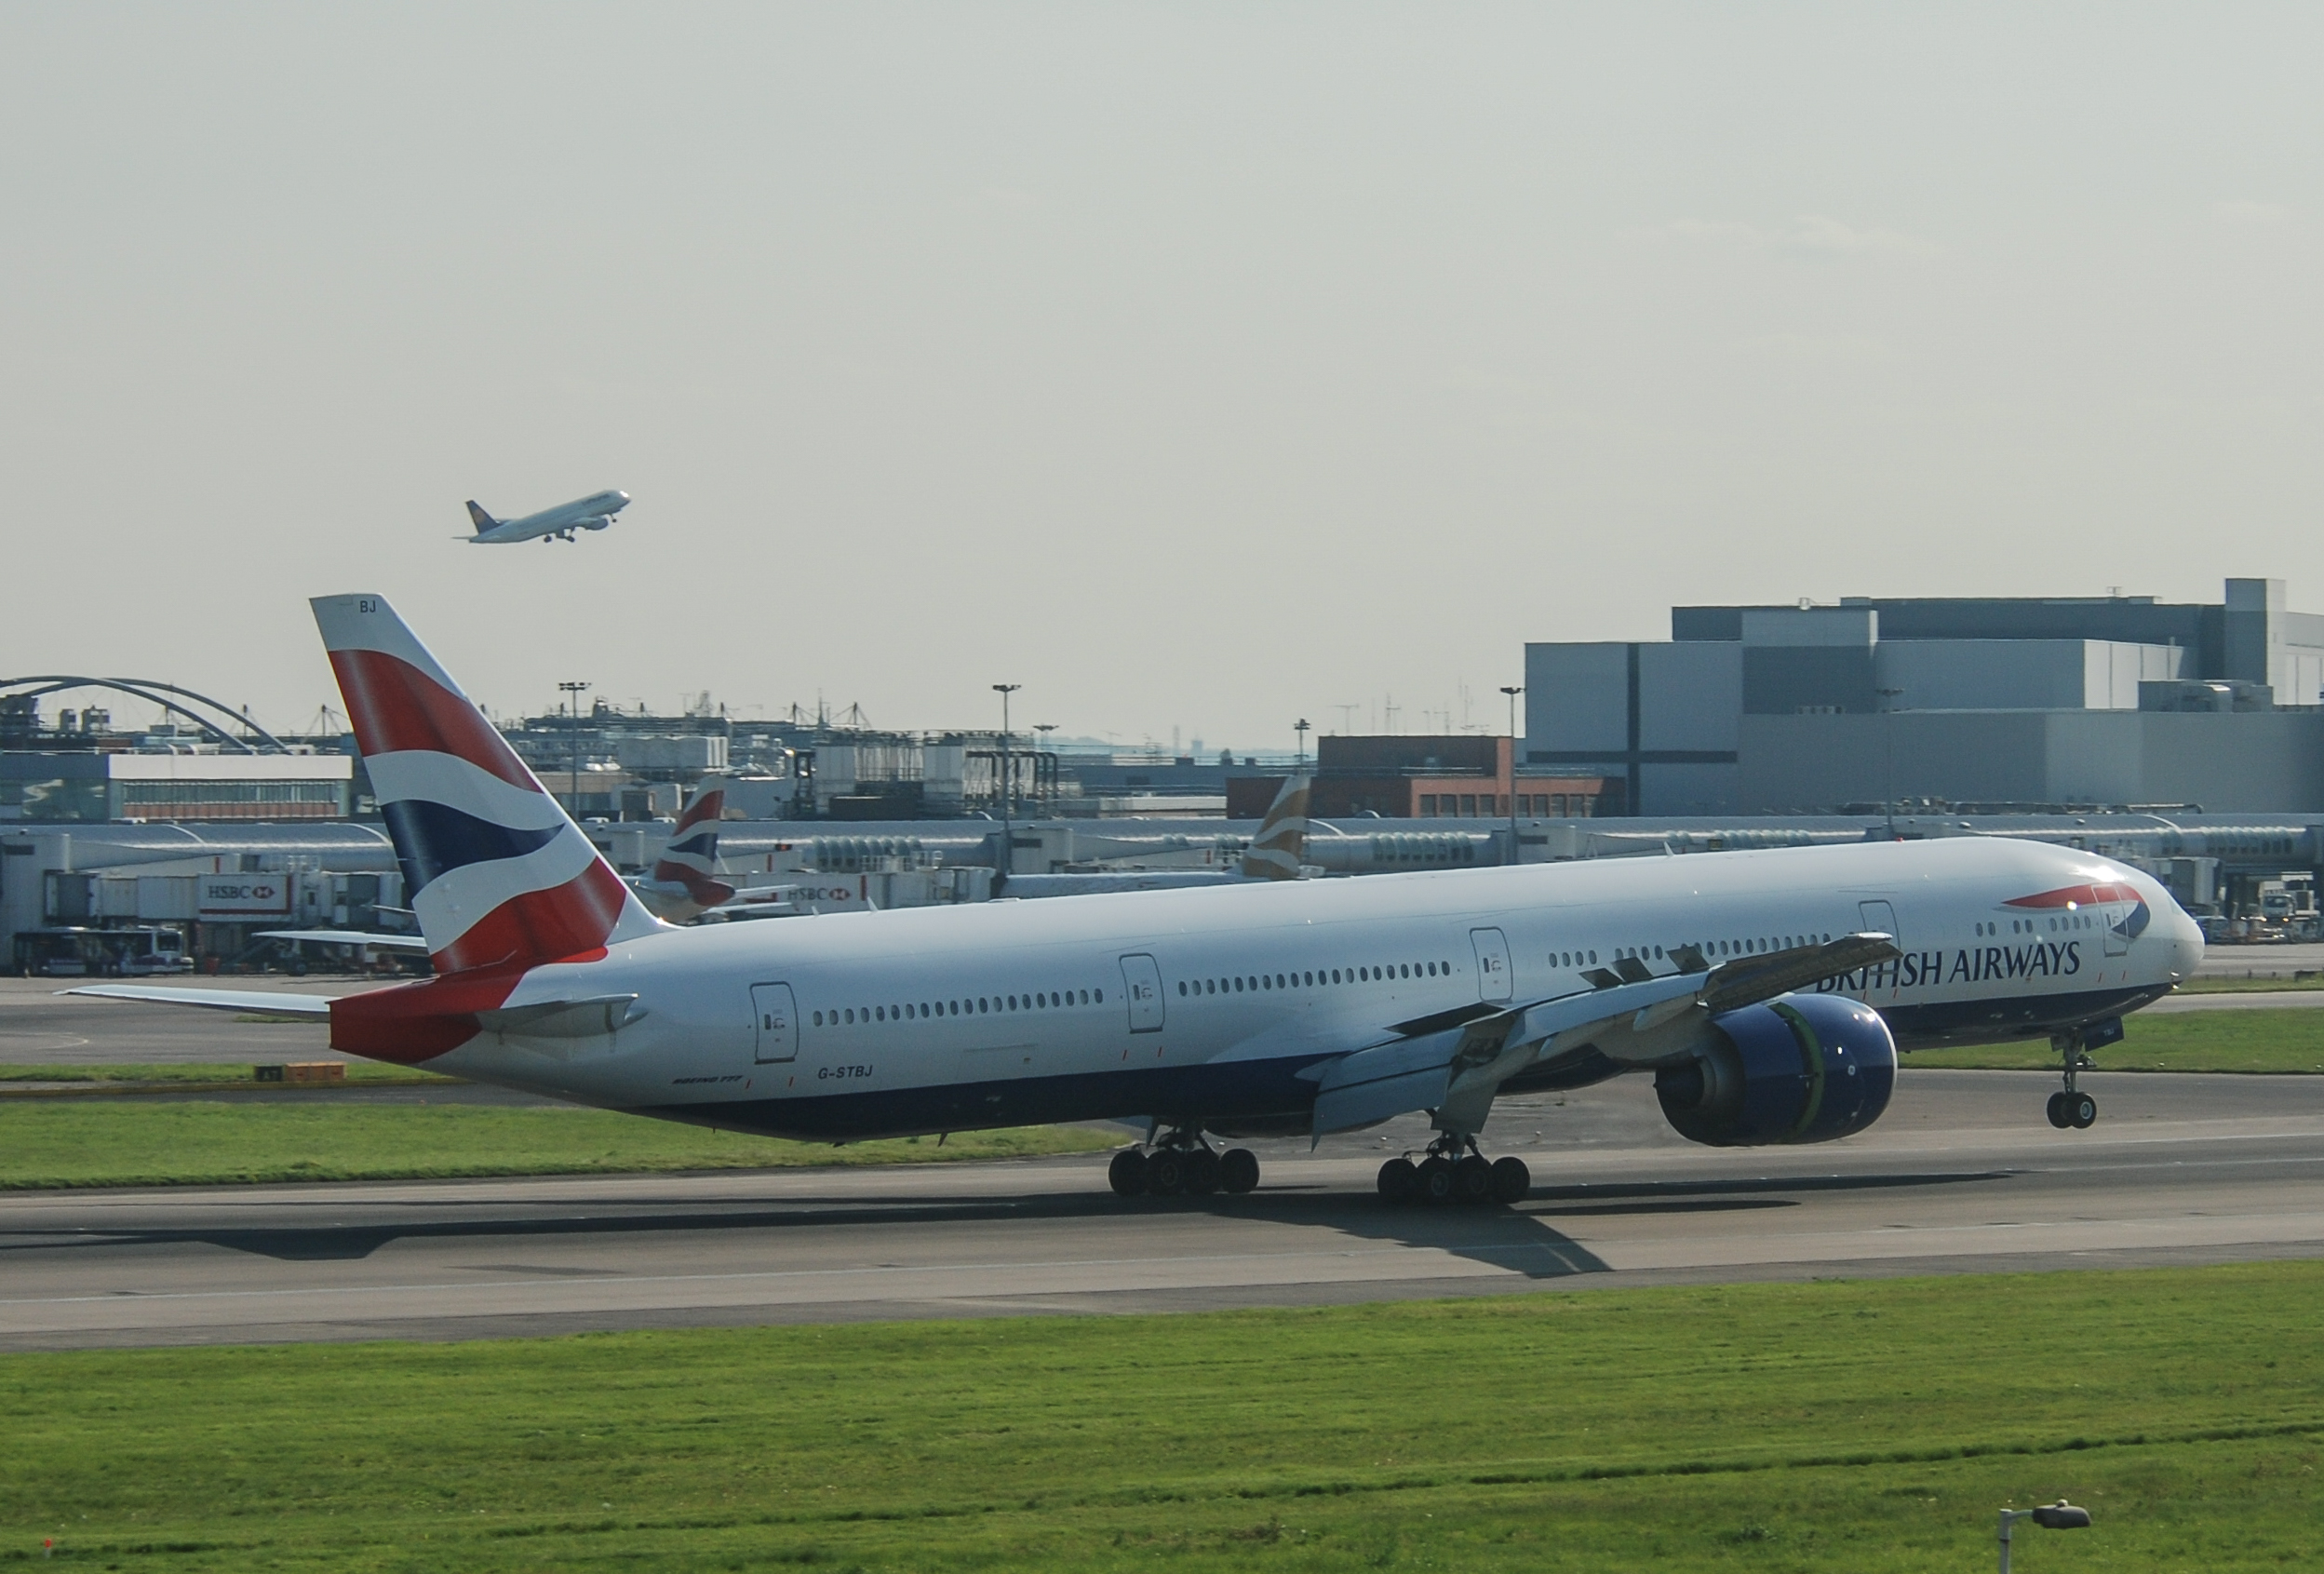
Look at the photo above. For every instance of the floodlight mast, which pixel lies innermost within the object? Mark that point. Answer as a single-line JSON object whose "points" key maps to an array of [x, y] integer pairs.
{"points": [[2060, 1515]]}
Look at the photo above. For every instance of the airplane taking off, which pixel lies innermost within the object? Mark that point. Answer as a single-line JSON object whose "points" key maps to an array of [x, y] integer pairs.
{"points": [[1765, 992], [592, 513]]}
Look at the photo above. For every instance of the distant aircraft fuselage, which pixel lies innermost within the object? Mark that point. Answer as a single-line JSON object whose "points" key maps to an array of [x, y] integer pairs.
{"points": [[592, 513]]}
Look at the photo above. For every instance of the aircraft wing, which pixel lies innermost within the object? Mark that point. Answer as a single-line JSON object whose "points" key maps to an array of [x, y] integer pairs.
{"points": [[1632, 1022], [348, 937], [252, 1001]]}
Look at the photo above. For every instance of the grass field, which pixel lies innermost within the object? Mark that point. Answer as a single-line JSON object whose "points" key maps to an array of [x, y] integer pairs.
{"points": [[133, 1141], [199, 1075], [2226, 984], [2258, 1040], [1836, 1426]]}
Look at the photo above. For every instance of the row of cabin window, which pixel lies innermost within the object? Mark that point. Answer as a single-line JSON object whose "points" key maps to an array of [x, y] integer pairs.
{"points": [[1313, 980], [1730, 947], [849, 1015], [2028, 926]]}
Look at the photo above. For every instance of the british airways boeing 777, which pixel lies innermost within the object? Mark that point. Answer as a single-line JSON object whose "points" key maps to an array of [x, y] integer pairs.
{"points": [[1765, 992]]}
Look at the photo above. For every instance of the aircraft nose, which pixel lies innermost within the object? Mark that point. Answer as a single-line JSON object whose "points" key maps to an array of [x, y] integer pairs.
{"points": [[2182, 935]]}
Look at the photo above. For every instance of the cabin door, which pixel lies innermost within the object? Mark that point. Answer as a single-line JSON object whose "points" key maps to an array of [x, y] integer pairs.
{"points": [[1492, 948], [775, 1022], [1141, 982]]}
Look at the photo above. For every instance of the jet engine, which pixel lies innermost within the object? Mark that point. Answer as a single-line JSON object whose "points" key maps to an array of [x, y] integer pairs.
{"points": [[1795, 1069], [597, 522]]}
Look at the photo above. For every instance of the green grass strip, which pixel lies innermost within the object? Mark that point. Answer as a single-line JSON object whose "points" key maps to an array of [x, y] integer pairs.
{"points": [[2236, 1039], [69, 1142], [1864, 1425], [176, 1074]]}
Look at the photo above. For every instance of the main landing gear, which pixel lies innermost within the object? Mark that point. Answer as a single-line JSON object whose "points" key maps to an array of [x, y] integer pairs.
{"points": [[1453, 1171], [1183, 1164], [2071, 1107]]}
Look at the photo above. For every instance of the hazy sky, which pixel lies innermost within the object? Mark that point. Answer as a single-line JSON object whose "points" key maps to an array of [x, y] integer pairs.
{"points": [[1204, 366]]}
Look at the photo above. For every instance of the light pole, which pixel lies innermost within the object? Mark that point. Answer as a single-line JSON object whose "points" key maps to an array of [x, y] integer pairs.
{"points": [[1513, 690], [1044, 729], [1299, 759], [1008, 836], [572, 789], [2060, 1515], [1888, 749]]}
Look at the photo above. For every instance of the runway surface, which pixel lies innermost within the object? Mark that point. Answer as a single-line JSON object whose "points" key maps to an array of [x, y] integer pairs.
{"points": [[1963, 1174]]}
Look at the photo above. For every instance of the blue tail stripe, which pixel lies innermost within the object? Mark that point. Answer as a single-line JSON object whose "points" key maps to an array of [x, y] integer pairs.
{"points": [[432, 838], [700, 842]]}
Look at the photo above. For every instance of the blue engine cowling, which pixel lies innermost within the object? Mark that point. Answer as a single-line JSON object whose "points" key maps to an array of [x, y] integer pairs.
{"points": [[1795, 1069]]}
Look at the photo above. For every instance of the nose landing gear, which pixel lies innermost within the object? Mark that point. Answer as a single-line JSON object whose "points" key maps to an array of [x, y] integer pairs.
{"points": [[1453, 1171], [2070, 1107], [1182, 1164]]}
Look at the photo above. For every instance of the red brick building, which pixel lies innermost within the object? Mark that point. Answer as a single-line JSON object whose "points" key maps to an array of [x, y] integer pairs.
{"points": [[1423, 778]]}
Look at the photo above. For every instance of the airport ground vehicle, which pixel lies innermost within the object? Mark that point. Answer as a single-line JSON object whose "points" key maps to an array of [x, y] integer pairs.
{"points": [[78, 952], [1766, 992]]}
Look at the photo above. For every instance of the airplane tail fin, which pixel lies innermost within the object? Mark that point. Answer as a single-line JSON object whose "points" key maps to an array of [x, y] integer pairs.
{"points": [[497, 874], [476, 515], [1282, 844], [691, 860]]}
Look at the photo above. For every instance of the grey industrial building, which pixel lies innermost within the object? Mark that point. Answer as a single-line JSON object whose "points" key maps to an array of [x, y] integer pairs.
{"points": [[1999, 703]]}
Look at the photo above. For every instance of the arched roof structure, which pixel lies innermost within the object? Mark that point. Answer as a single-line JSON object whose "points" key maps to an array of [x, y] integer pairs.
{"points": [[153, 692]]}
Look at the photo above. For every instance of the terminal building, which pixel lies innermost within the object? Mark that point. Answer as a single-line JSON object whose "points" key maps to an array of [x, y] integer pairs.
{"points": [[1997, 705]]}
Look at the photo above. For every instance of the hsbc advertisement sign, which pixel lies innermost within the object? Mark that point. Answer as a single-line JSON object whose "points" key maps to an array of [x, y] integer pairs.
{"points": [[241, 896]]}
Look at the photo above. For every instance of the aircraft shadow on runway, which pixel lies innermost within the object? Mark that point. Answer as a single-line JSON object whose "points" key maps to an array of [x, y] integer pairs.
{"points": [[1521, 1239]]}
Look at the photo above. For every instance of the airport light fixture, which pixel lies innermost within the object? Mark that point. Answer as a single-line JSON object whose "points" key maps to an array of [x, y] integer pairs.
{"points": [[2060, 1515], [1008, 833], [1044, 729], [1513, 690], [573, 792]]}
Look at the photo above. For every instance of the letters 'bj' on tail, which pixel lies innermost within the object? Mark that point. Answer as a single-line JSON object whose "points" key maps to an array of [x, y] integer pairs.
{"points": [[496, 872]]}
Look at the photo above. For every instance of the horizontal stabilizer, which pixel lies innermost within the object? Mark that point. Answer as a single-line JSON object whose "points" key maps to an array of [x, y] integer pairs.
{"points": [[591, 1017], [412, 943], [267, 1002]]}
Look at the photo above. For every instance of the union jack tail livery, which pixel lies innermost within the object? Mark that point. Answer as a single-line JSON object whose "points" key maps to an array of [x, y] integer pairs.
{"points": [[684, 883], [497, 874]]}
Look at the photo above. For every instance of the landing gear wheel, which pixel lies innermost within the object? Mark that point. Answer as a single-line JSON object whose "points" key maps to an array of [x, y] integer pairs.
{"points": [[1202, 1169], [1436, 1181], [1472, 1179], [2058, 1116], [2081, 1111], [1238, 1171], [1400, 1181], [1511, 1180], [1165, 1172], [1127, 1173]]}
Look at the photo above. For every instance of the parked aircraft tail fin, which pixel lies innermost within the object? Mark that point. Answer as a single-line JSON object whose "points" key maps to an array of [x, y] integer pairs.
{"points": [[482, 520], [498, 875], [691, 860], [1282, 844]]}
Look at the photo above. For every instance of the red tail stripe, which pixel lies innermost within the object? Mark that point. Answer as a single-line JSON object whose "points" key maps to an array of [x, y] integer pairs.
{"points": [[396, 707], [541, 926], [709, 806]]}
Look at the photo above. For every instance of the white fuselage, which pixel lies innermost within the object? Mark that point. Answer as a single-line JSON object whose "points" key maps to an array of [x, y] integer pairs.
{"points": [[1210, 1003], [592, 513]]}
